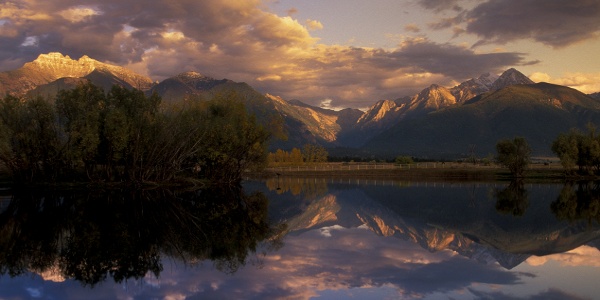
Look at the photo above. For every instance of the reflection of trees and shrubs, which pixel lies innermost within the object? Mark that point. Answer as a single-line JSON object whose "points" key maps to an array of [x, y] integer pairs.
{"points": [[513, 199], [122, 234], [578, 201], [310, 187]]}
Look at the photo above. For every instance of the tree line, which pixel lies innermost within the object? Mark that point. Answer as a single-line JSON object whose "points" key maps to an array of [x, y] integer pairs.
{"points": [[124, 135], [579, 152], [310, 153]]}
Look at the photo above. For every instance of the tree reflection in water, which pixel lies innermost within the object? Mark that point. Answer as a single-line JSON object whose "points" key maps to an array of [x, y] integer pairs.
{"points": [[88, 236], [310, 187], [514, 199], [578, 201]]}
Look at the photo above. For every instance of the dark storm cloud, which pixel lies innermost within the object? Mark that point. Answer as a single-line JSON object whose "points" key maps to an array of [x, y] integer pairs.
{"points": [[440, 5], [450, 60], [555, 23], [548, 294]]}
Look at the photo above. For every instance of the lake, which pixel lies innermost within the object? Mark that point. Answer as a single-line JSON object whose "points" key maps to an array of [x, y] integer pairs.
{"points": [[303, 238]]}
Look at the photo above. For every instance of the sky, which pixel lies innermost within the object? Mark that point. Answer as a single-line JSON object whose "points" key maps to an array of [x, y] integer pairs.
{"points": [[330, 53]]}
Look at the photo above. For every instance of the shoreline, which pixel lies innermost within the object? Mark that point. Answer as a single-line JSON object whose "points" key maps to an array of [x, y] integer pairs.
{"points": [[449, 173], [537, 173]]}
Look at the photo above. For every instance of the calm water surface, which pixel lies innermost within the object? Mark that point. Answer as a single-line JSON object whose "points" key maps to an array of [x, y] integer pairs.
{"points": [[303, 238]]}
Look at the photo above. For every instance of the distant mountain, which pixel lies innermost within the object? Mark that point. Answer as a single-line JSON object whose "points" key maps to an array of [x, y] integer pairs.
{"points": [[50, 67], [473, 87], [595, 95], [185, 85], [309, 124], [377, 118], [386, 113], [508, 78], [433, 98], [538, 112]]}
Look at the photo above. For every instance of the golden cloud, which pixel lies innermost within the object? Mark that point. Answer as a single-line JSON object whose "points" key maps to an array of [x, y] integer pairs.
{"points": [[584, 82], [581, 256], [78, 14], [313, 24], [270, 77]]}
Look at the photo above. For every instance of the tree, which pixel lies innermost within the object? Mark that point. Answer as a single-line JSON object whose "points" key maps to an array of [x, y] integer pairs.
{"points": [[577, 148], [514, 154], [314, 153], [125, 135], [79, 114], [566, 148], [403, 160], [234, 140], [31, 147], [296, 156]]}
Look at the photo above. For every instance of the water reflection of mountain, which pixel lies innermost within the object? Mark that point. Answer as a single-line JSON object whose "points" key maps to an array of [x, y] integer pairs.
{"points": [[89, 236], [495, 222]]}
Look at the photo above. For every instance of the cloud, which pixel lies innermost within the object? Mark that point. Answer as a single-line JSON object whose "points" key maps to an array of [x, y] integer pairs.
{"points": [[292, 11], [313, 24], [584, 82], [551, 293], [440, 5], [554, 23], [238, 40], [447, 59], [412, 28], [581, 256], [78, 14]]}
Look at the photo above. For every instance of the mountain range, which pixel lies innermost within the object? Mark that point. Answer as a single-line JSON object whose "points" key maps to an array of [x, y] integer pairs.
{"points": [[438, 122]]}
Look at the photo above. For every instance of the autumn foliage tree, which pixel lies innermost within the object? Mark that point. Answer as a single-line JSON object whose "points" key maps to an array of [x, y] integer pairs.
{"points": [[282, 157]]}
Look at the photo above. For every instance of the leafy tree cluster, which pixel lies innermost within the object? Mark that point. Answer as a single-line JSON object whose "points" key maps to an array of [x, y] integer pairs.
{"points": [[124, 135], [577, 149], [403, 160], [293, 157], [514, 154], [312, 153], [233, 140]]}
